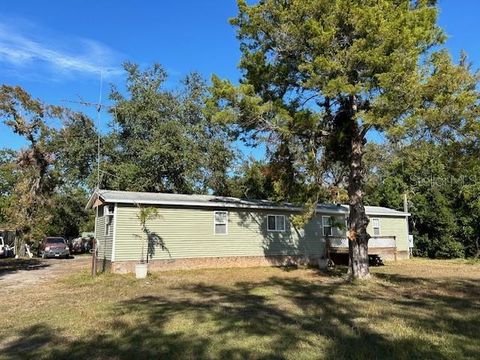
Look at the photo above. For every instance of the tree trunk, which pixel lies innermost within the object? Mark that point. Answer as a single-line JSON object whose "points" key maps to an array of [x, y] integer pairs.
{"points": [[143, 246], [358, 220]]}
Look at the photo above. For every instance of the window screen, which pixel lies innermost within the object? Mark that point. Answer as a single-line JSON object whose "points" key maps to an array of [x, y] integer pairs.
{"points": [[376, 226], [327, 225], [108, 224], [276, 223], [221, 222]]}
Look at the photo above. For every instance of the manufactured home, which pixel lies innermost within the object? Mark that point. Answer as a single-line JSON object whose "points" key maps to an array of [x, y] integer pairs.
{"points": [[201, 231]]}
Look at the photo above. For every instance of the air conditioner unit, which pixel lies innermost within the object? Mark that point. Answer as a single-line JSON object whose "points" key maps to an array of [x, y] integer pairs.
{"points": [[108, 210]]}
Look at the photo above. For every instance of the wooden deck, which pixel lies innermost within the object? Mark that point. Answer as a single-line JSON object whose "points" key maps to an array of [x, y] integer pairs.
{"points": [[377, 245]]}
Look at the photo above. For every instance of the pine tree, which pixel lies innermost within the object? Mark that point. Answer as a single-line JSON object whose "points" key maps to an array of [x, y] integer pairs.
{"points": [[318, 76]]}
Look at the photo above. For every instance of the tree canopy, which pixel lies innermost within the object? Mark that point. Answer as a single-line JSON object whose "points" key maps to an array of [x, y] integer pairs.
{"points": [[442, 191], [161, 139], [35, 193]]}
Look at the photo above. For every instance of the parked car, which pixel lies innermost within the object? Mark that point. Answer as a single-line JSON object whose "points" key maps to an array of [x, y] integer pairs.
{"points": [[77, 246], [88, 243], [5, 250], [53, 247], [80, 245]]}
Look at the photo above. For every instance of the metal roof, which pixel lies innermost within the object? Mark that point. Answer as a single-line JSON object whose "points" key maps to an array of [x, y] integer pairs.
{"points": [[149, 198]]}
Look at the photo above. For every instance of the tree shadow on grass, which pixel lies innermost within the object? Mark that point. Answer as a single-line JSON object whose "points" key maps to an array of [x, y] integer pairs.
{"points": [[131, 342], [11, 265], [282, 317]]}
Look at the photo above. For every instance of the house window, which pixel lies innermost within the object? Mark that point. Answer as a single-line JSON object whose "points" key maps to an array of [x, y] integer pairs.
{"points": [[327, 225], [220, 222], [276, 223], [108, 212], [108, 225], [376, 227]]}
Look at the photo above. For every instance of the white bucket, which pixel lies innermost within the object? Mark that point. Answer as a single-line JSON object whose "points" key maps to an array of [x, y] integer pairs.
{"points": [[141, 271]]}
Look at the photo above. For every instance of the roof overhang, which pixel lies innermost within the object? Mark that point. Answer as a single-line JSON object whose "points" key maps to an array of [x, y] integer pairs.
{"points": [[97, 198], [379, 213], [94, 201]]}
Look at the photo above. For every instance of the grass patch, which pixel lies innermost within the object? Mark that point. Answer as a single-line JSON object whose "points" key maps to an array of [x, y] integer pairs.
{"points": [[412, 309]]}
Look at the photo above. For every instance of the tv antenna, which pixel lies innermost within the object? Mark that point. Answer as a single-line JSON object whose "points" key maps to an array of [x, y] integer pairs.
{"points": [[98, 107]]}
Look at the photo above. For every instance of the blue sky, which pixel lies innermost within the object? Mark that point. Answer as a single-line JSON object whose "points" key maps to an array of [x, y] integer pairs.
{"points": [[54, 49]]}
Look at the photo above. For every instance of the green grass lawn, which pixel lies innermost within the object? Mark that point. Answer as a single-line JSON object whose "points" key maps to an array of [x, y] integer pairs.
{"points": [[411, 310]]}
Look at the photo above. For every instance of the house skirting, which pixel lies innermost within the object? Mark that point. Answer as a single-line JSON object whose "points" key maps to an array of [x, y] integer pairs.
{"points": [[391, 254], [384, 253], [122, 267], [103, 265], [401, 255], [128, 266]]}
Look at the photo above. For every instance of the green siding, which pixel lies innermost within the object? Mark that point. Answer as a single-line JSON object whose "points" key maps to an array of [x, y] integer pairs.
{"points": [[189, 233], [392, 226], [104, 243]]}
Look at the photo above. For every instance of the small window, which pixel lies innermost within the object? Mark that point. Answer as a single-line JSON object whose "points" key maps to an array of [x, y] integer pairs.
{"points": [[108, 212], [220, 222], [108, 224], [276, 223], [327, 225], [376, 227]]}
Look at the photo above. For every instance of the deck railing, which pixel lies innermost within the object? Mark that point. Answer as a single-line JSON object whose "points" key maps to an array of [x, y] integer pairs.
{"points": [[339, 244]]}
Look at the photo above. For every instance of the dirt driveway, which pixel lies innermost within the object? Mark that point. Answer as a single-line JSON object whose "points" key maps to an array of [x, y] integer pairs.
{"points": [[20, 273]]}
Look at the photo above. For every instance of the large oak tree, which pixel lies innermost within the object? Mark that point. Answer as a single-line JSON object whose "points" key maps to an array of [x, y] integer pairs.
{"points": [[160, 139], [44, 192]]}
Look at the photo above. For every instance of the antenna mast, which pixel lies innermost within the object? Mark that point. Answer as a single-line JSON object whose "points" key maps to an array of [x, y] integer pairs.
{"points": [[99, 108]]}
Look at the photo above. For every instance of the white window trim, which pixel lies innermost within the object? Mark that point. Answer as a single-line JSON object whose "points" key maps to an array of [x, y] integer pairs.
{"points": [[323, 226], [105, 233], [112, 215], [215, 223], [378, 227], [284, 223], [112, 256]]}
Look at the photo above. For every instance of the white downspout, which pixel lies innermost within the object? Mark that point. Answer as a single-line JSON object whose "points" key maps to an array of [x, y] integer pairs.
{"points": [[112, 257]]}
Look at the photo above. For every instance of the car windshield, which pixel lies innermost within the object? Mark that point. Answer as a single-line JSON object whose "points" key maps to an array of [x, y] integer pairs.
{"points": [[55, 241]]}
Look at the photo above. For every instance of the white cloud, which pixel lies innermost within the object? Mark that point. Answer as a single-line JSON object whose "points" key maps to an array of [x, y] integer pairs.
{"points": [[33, 50]]}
